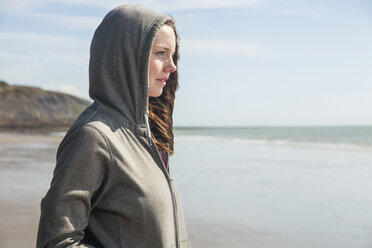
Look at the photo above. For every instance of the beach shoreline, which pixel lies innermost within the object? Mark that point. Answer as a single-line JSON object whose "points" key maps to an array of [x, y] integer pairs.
{"points": [[20, 205], [233, 194]]}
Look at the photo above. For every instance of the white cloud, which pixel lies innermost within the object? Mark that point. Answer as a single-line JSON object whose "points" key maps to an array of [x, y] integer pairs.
{"points": [[42, 39], [43, 48], [14, 57], [68, 89], [302, 13], [99, 3], [160, 5], [299, 8], [47, 57], [205, 4], [168, 5], [222, 46], [19, 5], [20, 72], [28, 8], [73, 22]]}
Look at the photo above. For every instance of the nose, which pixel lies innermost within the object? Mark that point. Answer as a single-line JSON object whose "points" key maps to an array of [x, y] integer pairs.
{"points": [[171, 66]]}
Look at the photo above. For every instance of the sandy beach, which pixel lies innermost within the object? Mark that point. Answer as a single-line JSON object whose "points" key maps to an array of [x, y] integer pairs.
{"points": [[235, 193], [23, 187]]}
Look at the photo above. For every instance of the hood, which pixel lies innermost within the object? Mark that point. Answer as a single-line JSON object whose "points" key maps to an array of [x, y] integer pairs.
{"points": [[119, 60]]}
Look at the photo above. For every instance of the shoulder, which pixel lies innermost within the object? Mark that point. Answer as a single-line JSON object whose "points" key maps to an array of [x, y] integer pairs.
{"points": [[92, 124], [100, 126], [87, 136]]}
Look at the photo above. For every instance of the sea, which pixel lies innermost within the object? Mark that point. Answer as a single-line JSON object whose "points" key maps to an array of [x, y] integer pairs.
{"points": [[260, 187]]}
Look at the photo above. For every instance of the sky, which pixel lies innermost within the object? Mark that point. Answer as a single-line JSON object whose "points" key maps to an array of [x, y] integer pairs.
{"points": [[243, 62]]}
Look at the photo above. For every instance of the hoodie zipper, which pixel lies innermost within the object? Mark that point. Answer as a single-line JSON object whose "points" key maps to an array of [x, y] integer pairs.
{"points": [[167, 175]]}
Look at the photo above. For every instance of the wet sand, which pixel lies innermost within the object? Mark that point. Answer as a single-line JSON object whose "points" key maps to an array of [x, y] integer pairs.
{"points": [[234, 195], [24, 167], [18, 224], [26, 170]]}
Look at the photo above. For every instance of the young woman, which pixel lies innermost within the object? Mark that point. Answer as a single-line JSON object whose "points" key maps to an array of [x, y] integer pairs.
{"points": [[111, 186]]}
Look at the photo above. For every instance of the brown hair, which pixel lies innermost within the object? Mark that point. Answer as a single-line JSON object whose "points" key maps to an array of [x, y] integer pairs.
{"points": [[161, 108]]}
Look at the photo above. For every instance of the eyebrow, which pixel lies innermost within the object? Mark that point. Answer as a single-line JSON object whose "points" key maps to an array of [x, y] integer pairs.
{"points": [[165, 47]]}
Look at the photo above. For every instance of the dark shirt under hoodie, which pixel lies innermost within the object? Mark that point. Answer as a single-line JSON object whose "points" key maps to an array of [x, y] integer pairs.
{"points": [[110, 187]]}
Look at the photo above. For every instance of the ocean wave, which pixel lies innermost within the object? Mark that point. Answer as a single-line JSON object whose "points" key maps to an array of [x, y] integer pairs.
{"points": [[281, 142], [57, 134], [316, 144]]}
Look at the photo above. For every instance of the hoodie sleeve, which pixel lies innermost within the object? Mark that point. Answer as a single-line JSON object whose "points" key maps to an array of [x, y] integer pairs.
{"points": [[83, 164]]}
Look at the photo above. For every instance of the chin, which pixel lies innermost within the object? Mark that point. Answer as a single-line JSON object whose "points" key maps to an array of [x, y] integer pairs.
{"points": [[156, 94]]}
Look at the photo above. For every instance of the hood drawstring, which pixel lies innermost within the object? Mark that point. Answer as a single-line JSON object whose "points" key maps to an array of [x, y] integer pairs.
{"points": [[148, 126]]}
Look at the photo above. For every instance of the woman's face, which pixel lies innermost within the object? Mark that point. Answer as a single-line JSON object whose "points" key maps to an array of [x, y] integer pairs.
{"points": [[161, 62]]}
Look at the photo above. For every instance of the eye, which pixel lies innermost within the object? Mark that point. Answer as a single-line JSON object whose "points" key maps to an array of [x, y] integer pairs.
{"points": [[161, 53]]}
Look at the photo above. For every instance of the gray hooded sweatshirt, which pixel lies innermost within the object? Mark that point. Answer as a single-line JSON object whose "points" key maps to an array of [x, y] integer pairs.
{"points": [[110, 187]]}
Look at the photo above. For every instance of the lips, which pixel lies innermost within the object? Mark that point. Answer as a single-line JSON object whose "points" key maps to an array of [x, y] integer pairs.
{"points": [[163, 81]]}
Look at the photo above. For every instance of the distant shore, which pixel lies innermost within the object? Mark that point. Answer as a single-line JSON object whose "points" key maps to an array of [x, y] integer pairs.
{"points": [[25, 106]]}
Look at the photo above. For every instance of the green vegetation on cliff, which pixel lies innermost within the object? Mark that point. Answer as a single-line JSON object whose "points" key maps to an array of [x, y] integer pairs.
{"points": [[22, 106]]}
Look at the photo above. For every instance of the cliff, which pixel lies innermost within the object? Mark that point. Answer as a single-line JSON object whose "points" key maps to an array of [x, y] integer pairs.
{"points": [[22, 106]]}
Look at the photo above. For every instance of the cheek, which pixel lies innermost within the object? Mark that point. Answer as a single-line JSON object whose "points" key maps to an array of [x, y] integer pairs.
{"points": [[151, 67], [152, 72], [155, 67]]}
